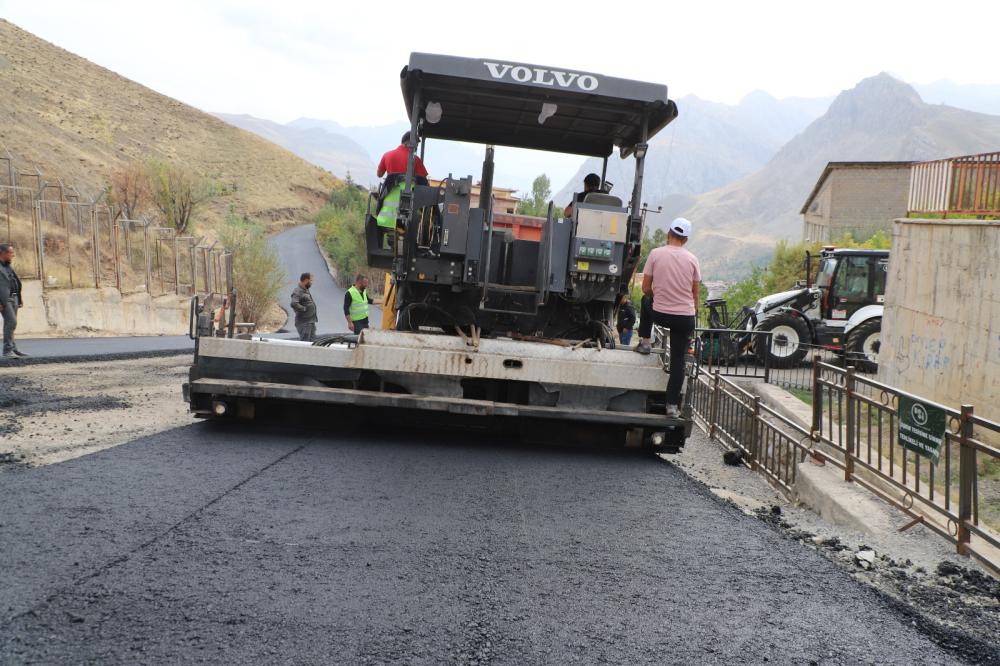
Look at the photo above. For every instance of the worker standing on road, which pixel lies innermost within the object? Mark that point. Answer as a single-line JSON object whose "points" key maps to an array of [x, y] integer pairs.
{"points": [[356, 302], [591, 183], [670, 281], [393, 166], [305, 309], [626, 319], [10, 300]]}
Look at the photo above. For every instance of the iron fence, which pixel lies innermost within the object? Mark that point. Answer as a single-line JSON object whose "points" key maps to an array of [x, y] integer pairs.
{"points": [[733, 352], [855, 428], [967, 185]]}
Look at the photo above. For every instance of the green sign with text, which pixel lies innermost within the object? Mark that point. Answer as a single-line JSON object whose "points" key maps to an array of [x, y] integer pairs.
{"points": [[921, 428]]}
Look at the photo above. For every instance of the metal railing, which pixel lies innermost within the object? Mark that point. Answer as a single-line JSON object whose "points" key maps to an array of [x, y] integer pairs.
{"points": [[968, 185], [733, 352], [855, 428]]}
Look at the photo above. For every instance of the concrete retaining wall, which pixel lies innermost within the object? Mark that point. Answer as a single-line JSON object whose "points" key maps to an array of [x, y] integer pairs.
{"points": [[941, 331], [103, 311]]}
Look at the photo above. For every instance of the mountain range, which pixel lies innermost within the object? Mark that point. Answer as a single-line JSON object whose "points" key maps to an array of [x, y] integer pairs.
{"points": [[881, 118]]}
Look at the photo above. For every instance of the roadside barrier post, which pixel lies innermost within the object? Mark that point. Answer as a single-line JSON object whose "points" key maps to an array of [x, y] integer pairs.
{"points": [[967, 476], [713, 409], [755, 434], [817, 397], [850, 446], [96, 235]]}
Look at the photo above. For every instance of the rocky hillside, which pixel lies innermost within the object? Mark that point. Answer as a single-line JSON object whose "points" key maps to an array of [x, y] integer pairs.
{"points": [[78, 121], [879, 119]]}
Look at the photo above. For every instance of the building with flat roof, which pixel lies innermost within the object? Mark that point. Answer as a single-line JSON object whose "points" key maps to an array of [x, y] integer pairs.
{"points": [[859, 198]]}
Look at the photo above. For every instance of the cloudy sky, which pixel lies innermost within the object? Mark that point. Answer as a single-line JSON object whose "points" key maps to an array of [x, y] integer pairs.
{"points": [[340, 60]]}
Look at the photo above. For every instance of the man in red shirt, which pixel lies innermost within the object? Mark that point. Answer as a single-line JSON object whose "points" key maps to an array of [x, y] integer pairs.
{"points": [[670, 282], [393, 167], [395, 160]]}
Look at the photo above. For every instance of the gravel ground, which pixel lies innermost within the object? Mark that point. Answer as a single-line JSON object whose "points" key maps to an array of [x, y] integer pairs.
{"points": [[58, 411]]}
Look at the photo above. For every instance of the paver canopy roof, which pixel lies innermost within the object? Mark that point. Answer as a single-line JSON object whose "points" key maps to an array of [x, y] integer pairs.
{"points": [[506, 103]]}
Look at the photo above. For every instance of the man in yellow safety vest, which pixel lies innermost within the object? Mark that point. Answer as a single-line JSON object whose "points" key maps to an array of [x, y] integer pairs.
{"points": [[356, 302]]}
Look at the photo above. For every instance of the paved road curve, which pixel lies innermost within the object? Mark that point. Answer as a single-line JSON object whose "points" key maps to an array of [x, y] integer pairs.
{"points": [[299, 254], [249, 545]]}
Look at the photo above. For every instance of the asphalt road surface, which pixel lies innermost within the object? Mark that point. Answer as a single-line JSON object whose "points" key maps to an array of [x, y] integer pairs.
{"points": [[298, 254], [86, 347], [240, 544]]}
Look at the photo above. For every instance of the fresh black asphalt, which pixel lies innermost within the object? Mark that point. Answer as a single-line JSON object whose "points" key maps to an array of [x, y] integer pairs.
{"points": [[228, 543]]}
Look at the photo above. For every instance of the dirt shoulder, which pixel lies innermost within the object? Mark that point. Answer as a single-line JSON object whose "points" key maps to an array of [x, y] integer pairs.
{"points": [[57, 411]]}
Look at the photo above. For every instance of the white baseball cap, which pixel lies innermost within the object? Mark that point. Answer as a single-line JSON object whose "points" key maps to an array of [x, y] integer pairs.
{"points": [[681, 227]]}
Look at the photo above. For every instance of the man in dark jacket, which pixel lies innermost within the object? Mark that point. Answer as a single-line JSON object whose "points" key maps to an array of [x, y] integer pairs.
{"points": [[626, 319], [305, 309], [10, 300]]}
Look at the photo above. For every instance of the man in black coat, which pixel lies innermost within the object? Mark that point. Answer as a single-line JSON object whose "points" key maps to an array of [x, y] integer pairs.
{"points": [[10, 300], [626, 319]]}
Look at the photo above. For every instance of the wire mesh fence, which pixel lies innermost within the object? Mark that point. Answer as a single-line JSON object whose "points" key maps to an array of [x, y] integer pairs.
{"points": [[67, 243]]}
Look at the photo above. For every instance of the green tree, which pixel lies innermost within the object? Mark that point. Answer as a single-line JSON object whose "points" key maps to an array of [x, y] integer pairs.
{"points": [[649, 242], [257, 273], [537, 203], [177, 193]]}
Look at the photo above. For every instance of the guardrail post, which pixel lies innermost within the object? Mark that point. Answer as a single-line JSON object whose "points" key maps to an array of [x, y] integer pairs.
{"points": [[177, 267], [817, 398], [148, 259], [36, 220], [850, 446], [754, 431], [96, 233], [713, 409], [767, 359], [967, 477], [117, 254]]}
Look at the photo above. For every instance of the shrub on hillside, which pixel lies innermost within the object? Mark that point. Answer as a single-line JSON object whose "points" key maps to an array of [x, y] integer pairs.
{"points": [[340, 230], [257, 273]]}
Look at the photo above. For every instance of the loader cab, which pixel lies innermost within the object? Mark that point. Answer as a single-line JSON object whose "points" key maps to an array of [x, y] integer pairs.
{"points": [[850, 280]]}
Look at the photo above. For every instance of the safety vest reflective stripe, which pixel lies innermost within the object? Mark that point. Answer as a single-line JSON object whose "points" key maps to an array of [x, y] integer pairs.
{"points": [[390, 206], [359, 304]]}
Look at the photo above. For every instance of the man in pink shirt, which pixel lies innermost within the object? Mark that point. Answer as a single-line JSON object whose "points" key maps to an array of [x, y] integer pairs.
{"points": [[670, 282]]}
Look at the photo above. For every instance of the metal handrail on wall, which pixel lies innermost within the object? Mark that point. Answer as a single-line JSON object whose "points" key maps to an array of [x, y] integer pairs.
{"points": [[968, 185], [855, 427]]}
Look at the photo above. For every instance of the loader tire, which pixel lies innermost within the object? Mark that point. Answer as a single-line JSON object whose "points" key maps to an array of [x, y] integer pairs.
{"points": [[862, 346], [787, 346]]}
